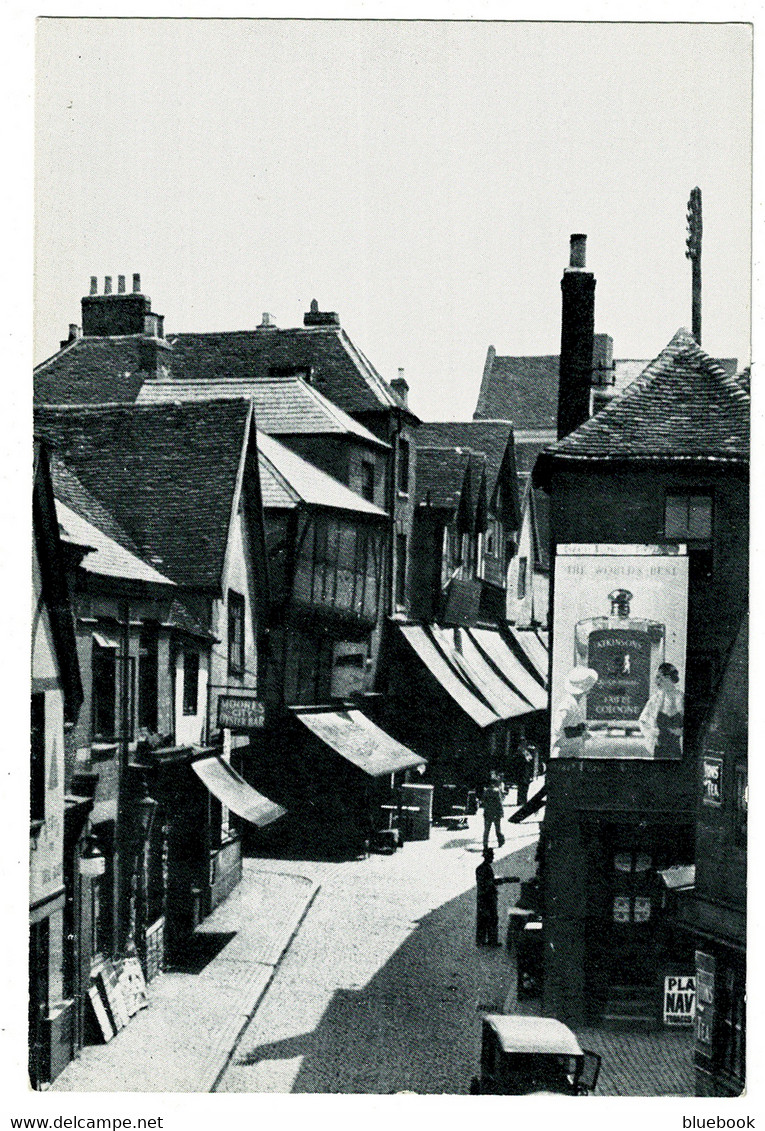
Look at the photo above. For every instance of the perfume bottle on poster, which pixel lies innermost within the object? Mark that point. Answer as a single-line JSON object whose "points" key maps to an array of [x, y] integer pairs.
{"points": [[625, 651]]}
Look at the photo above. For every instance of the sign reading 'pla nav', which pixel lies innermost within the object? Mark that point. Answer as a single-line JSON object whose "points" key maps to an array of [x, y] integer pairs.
{"points": [[239, 712]]}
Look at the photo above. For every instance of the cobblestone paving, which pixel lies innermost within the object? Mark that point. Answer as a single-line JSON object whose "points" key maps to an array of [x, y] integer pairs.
{"points": [[383, 987]]}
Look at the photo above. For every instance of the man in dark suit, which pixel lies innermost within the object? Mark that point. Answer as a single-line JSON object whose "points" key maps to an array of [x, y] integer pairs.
{"points": [[486, 884]]}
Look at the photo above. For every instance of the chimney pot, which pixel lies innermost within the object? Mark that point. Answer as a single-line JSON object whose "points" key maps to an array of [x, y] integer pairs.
{"points": [[93, 284], [120, 284], [400, 386], [107, 285], [74, 331], [578, 256], [136, 284], [314, 306]]}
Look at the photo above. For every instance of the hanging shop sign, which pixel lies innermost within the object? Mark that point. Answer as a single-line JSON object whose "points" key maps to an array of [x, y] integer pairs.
{"points": [[240, 712], [679, 999], [711, 780]]}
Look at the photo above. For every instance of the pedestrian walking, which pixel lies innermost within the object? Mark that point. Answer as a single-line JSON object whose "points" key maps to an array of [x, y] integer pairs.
{"points": [[486, 884], [492, 805]]}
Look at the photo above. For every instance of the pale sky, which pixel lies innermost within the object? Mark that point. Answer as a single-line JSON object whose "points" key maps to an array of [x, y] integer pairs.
{"points": [[422, 179]]}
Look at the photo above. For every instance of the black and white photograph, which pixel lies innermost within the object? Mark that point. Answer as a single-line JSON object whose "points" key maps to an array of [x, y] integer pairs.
{"points": [[389, 420]]}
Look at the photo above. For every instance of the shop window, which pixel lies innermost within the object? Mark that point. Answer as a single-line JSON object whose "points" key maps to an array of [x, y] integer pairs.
{"points": [[104, 690], [37, 759], [190, 682], [235, 633], [368, 480], [403, 466]]}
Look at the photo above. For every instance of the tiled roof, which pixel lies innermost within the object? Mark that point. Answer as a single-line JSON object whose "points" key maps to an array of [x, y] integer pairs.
{"points": [[337, 368], [525, 389], [106, 557], [284, 406], [167, 473], [683, 406], [286, 480], [489, 437], [440, 476], [92, 371], [72, 492], [526, 452], [521, 389]]}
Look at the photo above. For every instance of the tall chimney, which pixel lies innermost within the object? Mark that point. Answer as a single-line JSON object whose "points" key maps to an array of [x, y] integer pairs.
{"points": [[577, 339]]}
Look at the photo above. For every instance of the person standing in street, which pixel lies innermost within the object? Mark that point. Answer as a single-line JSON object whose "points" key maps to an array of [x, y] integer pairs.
{"points": [[486, 884], [492, 805]]}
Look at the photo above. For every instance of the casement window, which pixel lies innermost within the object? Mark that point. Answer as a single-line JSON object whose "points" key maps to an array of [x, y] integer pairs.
{"points": [[688, 517], [522, 579], [147, 682], [190, 682], [235, 633], [403, 466], [401, 543], [104, 668], [368, 481], [37, 759]]}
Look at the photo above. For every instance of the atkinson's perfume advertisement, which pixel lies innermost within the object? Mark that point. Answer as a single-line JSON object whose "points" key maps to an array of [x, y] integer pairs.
{"points": [[618, 678]]}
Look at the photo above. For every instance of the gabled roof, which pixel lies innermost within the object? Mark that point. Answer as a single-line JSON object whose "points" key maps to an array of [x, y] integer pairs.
{"points": [[337, 368], [683, 406], [489, 437], [440, 477], [93, 371], [169, 474], [72, 492], [288, 481], [525, 389], [53, 574], [284, 406]]}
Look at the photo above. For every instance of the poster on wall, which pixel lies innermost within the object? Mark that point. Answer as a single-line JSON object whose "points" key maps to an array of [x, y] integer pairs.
{"points": [[619, 644]]}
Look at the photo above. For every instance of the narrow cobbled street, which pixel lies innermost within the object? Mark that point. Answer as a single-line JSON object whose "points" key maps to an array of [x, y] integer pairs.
{"points": [[382, 988]]}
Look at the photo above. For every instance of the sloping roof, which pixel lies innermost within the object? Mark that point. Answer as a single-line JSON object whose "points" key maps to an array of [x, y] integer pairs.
{"points": [[521, 389], [284, 406], [287, 481], [92, 371], [337, 368], [683, 406], [440, 477], [488, 437], [525, 389], [72, 492], [168, 473], [106, 557]]}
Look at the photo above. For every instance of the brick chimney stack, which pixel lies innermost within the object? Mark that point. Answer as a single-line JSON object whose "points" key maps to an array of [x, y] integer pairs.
{"points": [[577, 339], [401, 386], [113, 315]]}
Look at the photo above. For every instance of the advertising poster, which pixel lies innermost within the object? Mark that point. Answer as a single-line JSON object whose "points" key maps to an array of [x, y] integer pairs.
{"points": [[619, 644]]}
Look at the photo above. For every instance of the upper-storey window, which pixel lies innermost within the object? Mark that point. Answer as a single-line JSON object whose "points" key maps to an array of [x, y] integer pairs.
{"points": [[368, 480], [235, 633], [190, 682], [688, 517], [403, 466]]}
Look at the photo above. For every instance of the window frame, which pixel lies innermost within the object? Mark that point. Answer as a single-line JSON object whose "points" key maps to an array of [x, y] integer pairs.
{"points": [[236, 615], [683, 498], [189, 654], [404, 457]]}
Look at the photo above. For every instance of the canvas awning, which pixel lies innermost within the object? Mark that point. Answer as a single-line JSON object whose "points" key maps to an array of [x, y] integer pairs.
{"points": [[495, 647], [360, 741], [495, 684], [234, 792], [535, 647], [464, 694]]}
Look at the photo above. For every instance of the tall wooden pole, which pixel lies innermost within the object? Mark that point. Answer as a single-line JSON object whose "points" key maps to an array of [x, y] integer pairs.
{"points": [[693, 252]]}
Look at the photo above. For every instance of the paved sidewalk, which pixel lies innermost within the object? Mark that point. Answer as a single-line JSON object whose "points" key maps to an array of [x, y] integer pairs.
{"points": [[182, 1041]]}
